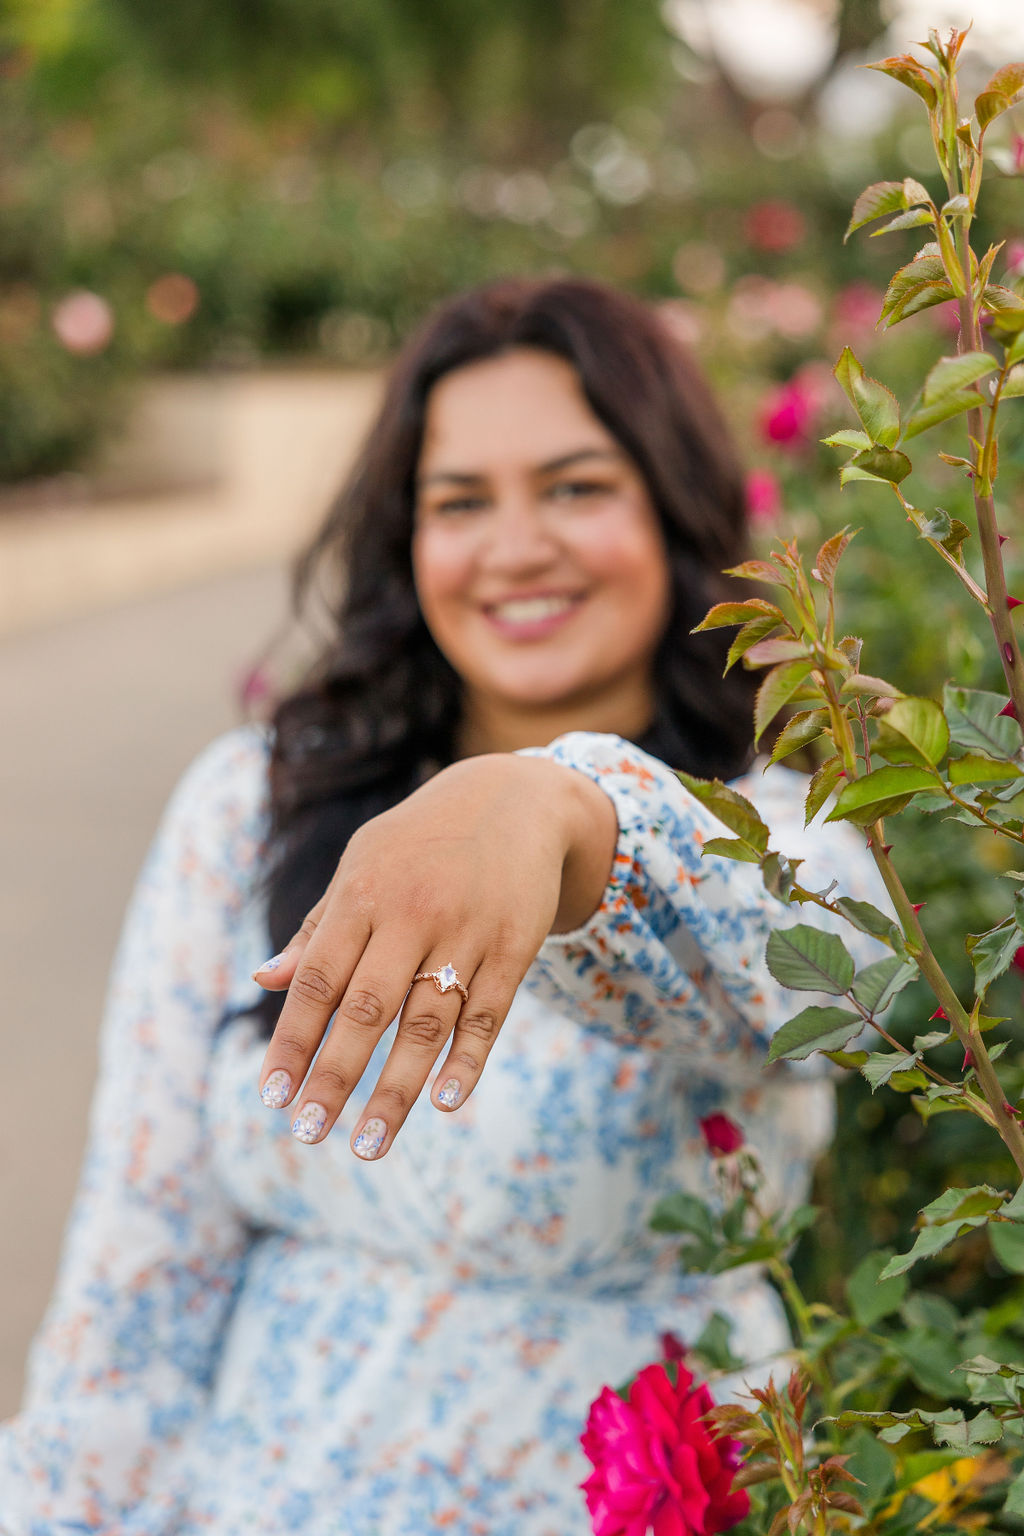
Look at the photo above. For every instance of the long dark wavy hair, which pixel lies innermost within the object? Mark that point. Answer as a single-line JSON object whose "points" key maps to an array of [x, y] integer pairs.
{"points": [[379, 710]]}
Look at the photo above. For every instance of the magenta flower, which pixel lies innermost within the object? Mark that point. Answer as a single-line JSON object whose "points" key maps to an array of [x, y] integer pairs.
{"points": [[721, 1135], [774, 225], [764, 497], [657, 1467], [787, 414]]}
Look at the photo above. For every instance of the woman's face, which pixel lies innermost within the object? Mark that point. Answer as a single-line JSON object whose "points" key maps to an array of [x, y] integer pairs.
{"points": [[538, 557]]}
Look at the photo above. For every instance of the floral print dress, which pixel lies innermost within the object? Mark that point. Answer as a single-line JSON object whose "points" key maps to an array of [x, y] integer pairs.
{"points": [[253, 1335]]}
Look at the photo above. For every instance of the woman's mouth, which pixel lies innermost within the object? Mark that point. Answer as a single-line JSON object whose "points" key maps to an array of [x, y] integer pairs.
{"points": [[530, 618]]}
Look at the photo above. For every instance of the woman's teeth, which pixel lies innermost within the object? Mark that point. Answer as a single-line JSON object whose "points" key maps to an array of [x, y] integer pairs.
{"points": [[528, 610]]}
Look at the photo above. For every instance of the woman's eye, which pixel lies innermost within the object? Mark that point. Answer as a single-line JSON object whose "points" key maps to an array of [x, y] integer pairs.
{"points": [[460, 504], [576, 490]]}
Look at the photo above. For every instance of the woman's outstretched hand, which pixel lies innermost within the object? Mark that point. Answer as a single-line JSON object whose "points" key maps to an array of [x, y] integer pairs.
{"points": [[472, 870]]}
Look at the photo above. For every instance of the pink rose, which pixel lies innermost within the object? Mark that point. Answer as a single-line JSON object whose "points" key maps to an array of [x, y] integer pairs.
{"points": [[657, 1467], [721, 1135], [787, 413], [764, 497], [774, 226]]}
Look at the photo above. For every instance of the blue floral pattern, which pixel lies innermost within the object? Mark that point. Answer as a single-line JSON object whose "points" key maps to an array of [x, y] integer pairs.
{"points": [[251, 1335]]}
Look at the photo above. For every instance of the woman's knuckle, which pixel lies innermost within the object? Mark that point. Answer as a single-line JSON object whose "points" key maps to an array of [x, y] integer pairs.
{"points": [[290, 1042], [483, 1023], [364, 1007], [314, 985], [465, 1059], [425, 1029], [332, 1081], [394, 1094]]}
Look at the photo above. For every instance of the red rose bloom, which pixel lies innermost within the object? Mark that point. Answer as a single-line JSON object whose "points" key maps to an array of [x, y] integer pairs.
{"points": [[721, 1134], [656, 1466]]}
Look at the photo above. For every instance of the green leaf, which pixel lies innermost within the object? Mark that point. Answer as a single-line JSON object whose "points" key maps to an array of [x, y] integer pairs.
{"points": [[912, 219], [955, 1211], [913, 731], [731, 848], [875, 202], [1014, 1504], [928, 416], [1007, 1243], [1013, 1209], [823, 782], [975, 721], [731, 808], [767, 653], [777, 689], [713, 1343], [992, 952], [799, 732], [759, 570], [884, 464], [1004, 304], [809, 960], [814, 1029], [932, 1038], [861, 686], [876, 985], [875, 405], [750, 634], [872, 1299], [920, 297], [867, 918], [682, 1212], [882, 1066], [738, 613], [952, 374], [922, 271], [972, 768], [849, 437], [913, 75], [999, 93], [879, 793], [851, 473], [1013, 384]]}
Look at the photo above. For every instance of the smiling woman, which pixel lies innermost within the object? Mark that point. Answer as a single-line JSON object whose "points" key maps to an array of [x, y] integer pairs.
{"points": [[507, 982]]}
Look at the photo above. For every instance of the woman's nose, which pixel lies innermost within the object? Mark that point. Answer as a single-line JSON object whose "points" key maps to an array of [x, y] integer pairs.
{"points": [[518, 535]]}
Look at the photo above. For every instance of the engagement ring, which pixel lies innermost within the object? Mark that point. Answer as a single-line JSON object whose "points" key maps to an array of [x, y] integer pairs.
{"points": [[445, 980]]}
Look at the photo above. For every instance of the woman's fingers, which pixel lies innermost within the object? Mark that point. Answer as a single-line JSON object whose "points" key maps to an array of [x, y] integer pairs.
{"points": [[276, 973], [363, 985], [423, 1029]]}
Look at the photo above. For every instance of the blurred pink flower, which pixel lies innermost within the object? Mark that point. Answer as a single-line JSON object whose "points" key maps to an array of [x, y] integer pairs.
{"points": [[774, 226], [1015, 256], [83, 322], [857, 307], [787, 413], [172, 299], [254, 687], [764, 497], [657, 1467]]}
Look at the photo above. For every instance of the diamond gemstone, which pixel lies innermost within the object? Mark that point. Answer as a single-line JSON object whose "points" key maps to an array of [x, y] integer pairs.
{"points": [[447, 977]]}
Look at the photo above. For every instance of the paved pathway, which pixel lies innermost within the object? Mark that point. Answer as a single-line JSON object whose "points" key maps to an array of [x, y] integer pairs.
{"points": [[99, 716]]}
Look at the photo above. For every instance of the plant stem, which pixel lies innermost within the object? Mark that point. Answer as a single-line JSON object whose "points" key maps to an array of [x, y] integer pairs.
{"points": [[972, 1040]]}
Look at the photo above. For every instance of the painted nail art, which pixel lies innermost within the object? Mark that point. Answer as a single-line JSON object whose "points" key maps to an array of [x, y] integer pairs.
{"points": [[269, 965], [370, 1139], [450, 1093], [276, 1089], [309, 1122]]}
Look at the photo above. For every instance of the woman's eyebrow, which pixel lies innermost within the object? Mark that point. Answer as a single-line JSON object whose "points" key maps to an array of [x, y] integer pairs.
{"points": [[473, 477]]}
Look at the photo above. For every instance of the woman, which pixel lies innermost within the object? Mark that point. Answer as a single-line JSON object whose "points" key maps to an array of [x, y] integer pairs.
{"points": [[254, 1329]]}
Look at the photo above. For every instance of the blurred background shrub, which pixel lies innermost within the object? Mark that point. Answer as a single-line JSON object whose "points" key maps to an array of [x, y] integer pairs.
{"points": [[187, 186]]}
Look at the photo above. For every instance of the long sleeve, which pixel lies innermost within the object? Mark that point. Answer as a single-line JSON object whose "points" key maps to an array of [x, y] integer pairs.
{"points": [[674, 957], [122, 1365]]}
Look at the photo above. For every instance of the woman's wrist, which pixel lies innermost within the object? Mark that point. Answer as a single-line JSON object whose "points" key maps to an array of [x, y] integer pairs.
{"points": [[591, 836]]}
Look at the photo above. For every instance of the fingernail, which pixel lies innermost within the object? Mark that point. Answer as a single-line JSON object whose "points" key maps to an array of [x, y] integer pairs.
{"points": [[269, 965], [276, 1090], [309, 1122], [450, 1093], [370, 1139]]}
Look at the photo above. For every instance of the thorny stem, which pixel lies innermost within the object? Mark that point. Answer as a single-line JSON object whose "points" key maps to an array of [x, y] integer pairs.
{"points": [[975, 810], [930, 969]]}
